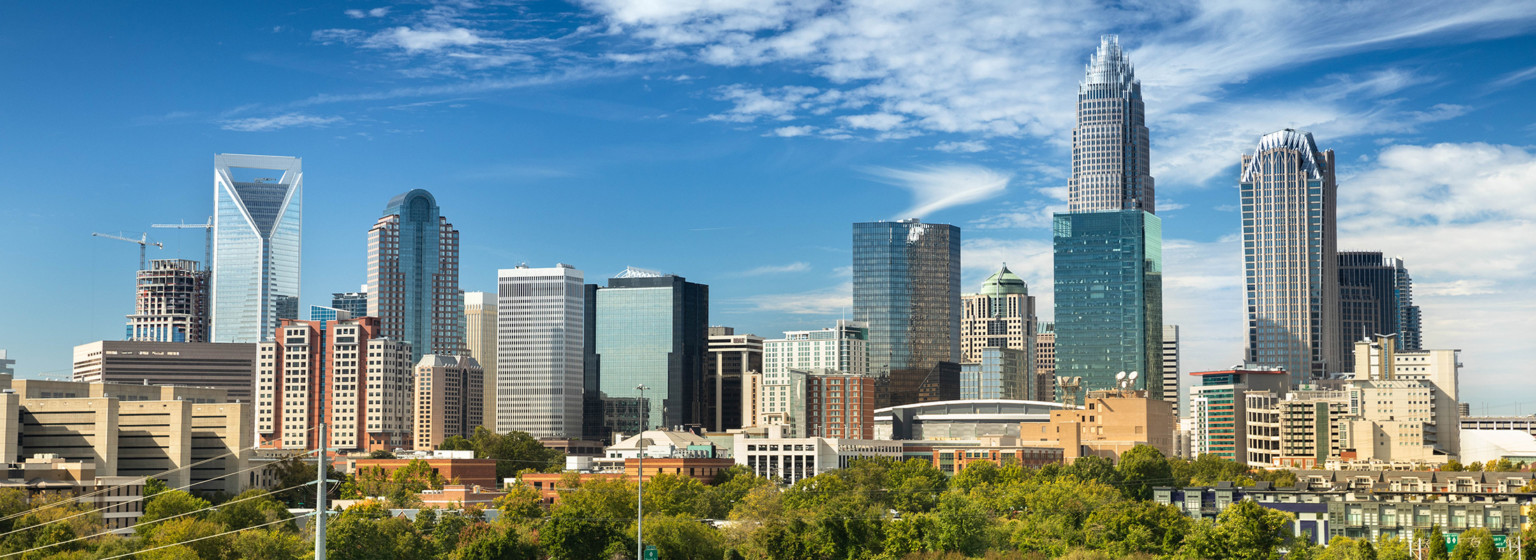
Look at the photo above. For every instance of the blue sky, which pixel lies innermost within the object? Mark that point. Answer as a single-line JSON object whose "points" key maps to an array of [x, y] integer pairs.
{"points": [[733, 142]]}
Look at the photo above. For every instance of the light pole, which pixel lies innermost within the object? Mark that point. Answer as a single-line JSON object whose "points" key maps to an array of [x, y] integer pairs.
{"points": [[640, 480]]}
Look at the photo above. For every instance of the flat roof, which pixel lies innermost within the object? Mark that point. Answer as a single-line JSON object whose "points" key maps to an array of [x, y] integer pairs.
{"points": [[1231, 371]]}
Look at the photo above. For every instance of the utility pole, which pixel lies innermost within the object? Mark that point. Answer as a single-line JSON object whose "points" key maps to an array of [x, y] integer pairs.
{"points": [[639, 481], [320, 464]]}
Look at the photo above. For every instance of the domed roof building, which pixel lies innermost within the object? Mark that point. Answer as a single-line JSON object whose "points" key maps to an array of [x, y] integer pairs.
{"points": [[1000, 319]]}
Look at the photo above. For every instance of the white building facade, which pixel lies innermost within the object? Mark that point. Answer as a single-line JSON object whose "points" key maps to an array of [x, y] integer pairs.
{"points": [[540, 345]]}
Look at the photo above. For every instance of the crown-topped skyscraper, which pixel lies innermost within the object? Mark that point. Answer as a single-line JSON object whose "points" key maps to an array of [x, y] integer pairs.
{"points": [[1108, 247], [1110, 166]]}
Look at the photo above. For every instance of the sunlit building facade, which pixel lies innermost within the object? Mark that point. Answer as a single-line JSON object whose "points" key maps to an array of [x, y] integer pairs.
{"points": [[413, 275], [1110, 161], [906, 288], [540, 345], [258, 210], [652, 330]]}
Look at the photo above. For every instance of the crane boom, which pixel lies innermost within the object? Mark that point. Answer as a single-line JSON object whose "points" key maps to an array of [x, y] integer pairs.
{"points": [[207, 243], [143, 242]]}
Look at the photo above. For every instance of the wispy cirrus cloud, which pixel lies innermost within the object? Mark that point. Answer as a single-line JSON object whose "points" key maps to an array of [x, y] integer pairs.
{"points": [[936, 188], [824, 301], [278, 122], [371, 13], [800, 266]]}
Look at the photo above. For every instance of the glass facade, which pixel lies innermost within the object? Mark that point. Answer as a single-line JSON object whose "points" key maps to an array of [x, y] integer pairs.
{"points": [[540, 349], [1289, 256], [652, 330], [1109, 292], [1003, 373], [906, 288], [355, 303], [258, 204], [413, 275]]}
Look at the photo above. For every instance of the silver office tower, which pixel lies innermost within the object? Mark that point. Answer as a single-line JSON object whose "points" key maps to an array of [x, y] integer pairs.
{"points": [[258, 202], [1107, 249], [1289, 247], [413, 276], [540, 345], [906, 287], [1111, 169]]}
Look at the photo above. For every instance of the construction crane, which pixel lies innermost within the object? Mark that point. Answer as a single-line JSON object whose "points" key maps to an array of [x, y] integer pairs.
{"points": [[143, 242], [207, 243]]}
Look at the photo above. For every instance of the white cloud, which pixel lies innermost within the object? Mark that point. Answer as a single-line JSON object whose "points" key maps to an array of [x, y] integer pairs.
{"points": [[419, 40], [874, 121], [828, 301], [939, 187], [1516, 77], [373, 13], [751, 104], [801, 266], [279, 122], [967, 147], [792, 131]]}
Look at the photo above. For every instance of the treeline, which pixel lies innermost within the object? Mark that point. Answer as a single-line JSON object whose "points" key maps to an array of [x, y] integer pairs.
{"points": [[875, 509]]}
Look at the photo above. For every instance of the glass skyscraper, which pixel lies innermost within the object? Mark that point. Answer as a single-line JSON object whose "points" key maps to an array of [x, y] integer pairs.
{"points": [[906, 288], [413, 276], [1109, 298], [1108, 247], [258, 202], [1289, 256], [540, 347], [652, 330]]}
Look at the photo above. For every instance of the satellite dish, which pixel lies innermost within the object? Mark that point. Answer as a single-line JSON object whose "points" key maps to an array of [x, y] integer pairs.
{"points": [[1120, 376], [1133, 375]]}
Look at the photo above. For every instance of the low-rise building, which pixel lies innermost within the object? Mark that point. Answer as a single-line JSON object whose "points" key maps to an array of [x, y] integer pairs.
{"points": [[962, 420], [790, 459], [1109, 423], [119, 499], [459, 467], [459, 496], [951, 459]]}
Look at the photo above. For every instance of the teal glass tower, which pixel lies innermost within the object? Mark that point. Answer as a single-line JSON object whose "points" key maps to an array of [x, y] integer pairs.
{"points": [[413, 276], [258, 206], [652, 330], [906, 287], [1109, 298], [1109, 247]]}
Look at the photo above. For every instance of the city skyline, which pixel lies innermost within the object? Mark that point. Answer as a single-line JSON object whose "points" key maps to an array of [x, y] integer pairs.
{"points": [[1426, 123]]}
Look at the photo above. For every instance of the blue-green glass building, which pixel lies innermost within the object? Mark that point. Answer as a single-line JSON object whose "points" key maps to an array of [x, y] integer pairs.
{"points": [[906, 287], [1109, 298], [652, 330], [413, 276], [258, 211]]}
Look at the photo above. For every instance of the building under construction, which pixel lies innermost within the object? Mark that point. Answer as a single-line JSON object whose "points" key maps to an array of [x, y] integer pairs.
{"points": [[172, 303]]}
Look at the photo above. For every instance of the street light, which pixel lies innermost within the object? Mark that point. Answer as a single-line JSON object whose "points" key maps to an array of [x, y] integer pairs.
{"points": [[640, 480]]}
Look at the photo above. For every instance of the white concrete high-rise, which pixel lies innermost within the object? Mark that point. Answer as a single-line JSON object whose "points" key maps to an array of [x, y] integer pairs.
{"points": [[258, 203], [1290, 256], [1111, 169], [1171, 367], [540, 346]]}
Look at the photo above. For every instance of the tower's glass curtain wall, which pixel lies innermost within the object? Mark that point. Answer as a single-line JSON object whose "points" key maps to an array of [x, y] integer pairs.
{"points": [[1109, 298], [258, 202], [1289, 247], [1110, 163], [1108, 247], [652, 330], [906, 287], [413, 276]]}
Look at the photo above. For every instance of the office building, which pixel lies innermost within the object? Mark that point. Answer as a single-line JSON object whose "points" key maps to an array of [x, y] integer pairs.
{"points": [[789, 459], [7, 365], [731, 357], [844, 348], [1289, 247], [1376, 297], [448, 399], [1000, 315], [363, 381], [1410, 336], [1171, 366], [355, 303], [413, 276], [913, 385], [652, 330], [191, 438], [321, 314], [1220, 409], [1111, 167], [1108, 424], [172, 303], [540, 347], [1045, 357], [906, 288], [1002, 373], [1109, 290], [258, 209], [783, 401], [480, 342], [229, 367]]}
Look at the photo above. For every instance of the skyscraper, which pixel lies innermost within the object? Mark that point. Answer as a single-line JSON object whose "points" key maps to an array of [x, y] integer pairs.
{"points": [[1410, 336], [1289, 249], [355, 303], [364, 381], [1000, 315], [1110, 162], [730, 359], [1367, 296], [652, 330], [1108, 247], [172, 303], [413, 276], [480, 342], [540, 345], [1171, 366], [906, 287], [258, 203]]}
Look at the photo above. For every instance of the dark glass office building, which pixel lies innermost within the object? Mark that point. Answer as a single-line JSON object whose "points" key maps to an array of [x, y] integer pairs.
{"points": [[652, 330], [1376, 297], [906, 287], [1109, 298]]}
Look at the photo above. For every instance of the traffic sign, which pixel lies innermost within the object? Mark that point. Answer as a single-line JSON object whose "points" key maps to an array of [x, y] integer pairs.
{"points": [[651, 553], [1500, 542]]}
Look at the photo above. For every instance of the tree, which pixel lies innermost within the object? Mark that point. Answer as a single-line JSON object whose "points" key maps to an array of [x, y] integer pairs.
{"points": [[521, 503], [1137, 527], [268, 544], [498, 544], [1141, 468], [195, 534], [167, 504], [731, 485], [915, 485], [513, 452], [590, 520], [1475, 544], [295, 479], [961, 525], [1345, 548], [1304, 547], [381, 454], [1452, 466], [1244, 531], [1094, 468], [681, 537], [674, 494], [249, 509]]}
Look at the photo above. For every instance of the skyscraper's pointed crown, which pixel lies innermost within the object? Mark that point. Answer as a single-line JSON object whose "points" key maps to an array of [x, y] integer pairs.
{"points": [[1004, 282], [1109, 67]]}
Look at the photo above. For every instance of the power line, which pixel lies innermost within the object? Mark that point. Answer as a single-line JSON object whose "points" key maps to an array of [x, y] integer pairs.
{"points": [[200, 538]]}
